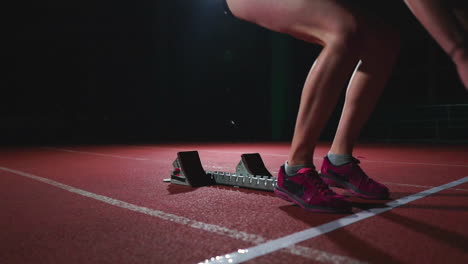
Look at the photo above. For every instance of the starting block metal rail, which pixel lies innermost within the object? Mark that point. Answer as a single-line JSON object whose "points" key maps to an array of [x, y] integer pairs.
{"points": [[250, 173]]}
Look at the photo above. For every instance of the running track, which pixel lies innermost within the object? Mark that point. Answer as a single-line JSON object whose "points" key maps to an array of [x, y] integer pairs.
{"points": [[109, 204]]}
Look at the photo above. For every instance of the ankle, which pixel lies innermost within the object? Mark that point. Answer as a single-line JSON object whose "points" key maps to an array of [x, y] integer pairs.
{"points": [[297, 162], [341, 147], [339, 159], [341, 150], [293, 169], [300, 159]]}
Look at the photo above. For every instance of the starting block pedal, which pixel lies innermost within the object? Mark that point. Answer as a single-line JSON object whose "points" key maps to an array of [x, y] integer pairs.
{"points": [[250, 173], [189, 171]]}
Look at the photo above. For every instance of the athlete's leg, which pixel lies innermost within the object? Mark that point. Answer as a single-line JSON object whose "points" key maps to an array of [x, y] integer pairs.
{"points": [[448, 27], [339, 168], [325, 22], [346, 40], [378, 55]]}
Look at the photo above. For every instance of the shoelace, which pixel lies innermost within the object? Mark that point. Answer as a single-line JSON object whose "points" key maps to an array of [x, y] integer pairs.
{"points": [[365, 178], [321, 186]]}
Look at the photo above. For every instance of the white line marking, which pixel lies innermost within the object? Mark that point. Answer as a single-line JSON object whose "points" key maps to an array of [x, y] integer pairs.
{"points": [[273, 173], [263, 249], [96, 154], [309, 253], [263, 154], [321, 158], [416, 163], [421, 186], [364, 160]]}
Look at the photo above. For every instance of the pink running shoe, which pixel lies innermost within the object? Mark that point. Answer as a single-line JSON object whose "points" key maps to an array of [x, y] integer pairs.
{"points": [[351, 177], [307, 189]]}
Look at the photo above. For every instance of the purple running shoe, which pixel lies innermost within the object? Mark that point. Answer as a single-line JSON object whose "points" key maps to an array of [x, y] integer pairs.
{"points": [[308, 190], [351, 177]]}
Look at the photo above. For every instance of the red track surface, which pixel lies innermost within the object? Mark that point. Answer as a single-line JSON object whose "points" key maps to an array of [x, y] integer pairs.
{"points": [[41, 223]]}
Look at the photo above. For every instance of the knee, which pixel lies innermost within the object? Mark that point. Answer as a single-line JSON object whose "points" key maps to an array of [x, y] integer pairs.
{"points": [[367, 37], [364, 36], [345, 33]]}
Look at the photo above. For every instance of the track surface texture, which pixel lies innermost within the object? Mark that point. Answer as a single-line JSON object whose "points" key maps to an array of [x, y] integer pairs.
{"points": [[109, 204]]}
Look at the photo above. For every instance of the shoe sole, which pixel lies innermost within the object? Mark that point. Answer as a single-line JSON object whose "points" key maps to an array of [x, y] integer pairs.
{"points": [[285, 195], [333, 182]]}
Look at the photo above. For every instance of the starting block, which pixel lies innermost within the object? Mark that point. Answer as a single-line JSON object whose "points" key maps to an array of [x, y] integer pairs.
{"points": [[250, 173]]}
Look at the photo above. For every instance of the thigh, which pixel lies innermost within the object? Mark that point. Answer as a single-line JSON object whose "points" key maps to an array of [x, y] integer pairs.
{"points": [[310, 20]]}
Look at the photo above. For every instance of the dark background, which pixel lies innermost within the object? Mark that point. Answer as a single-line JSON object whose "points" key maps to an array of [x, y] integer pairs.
{"points": [[115, 71]]}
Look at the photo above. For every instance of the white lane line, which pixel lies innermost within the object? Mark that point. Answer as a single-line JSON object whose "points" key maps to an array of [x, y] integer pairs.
{"points": [[213, 168], [421, 186], [317, 158], [263, 154], [95, 154], [229, 169], [364, 160], [309, 253], [321, 158], [417, 163], [271, 246]]}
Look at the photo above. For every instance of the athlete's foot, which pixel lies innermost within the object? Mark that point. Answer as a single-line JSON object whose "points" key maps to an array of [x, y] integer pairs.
{"points": [[351, 177], [306, 189]]}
